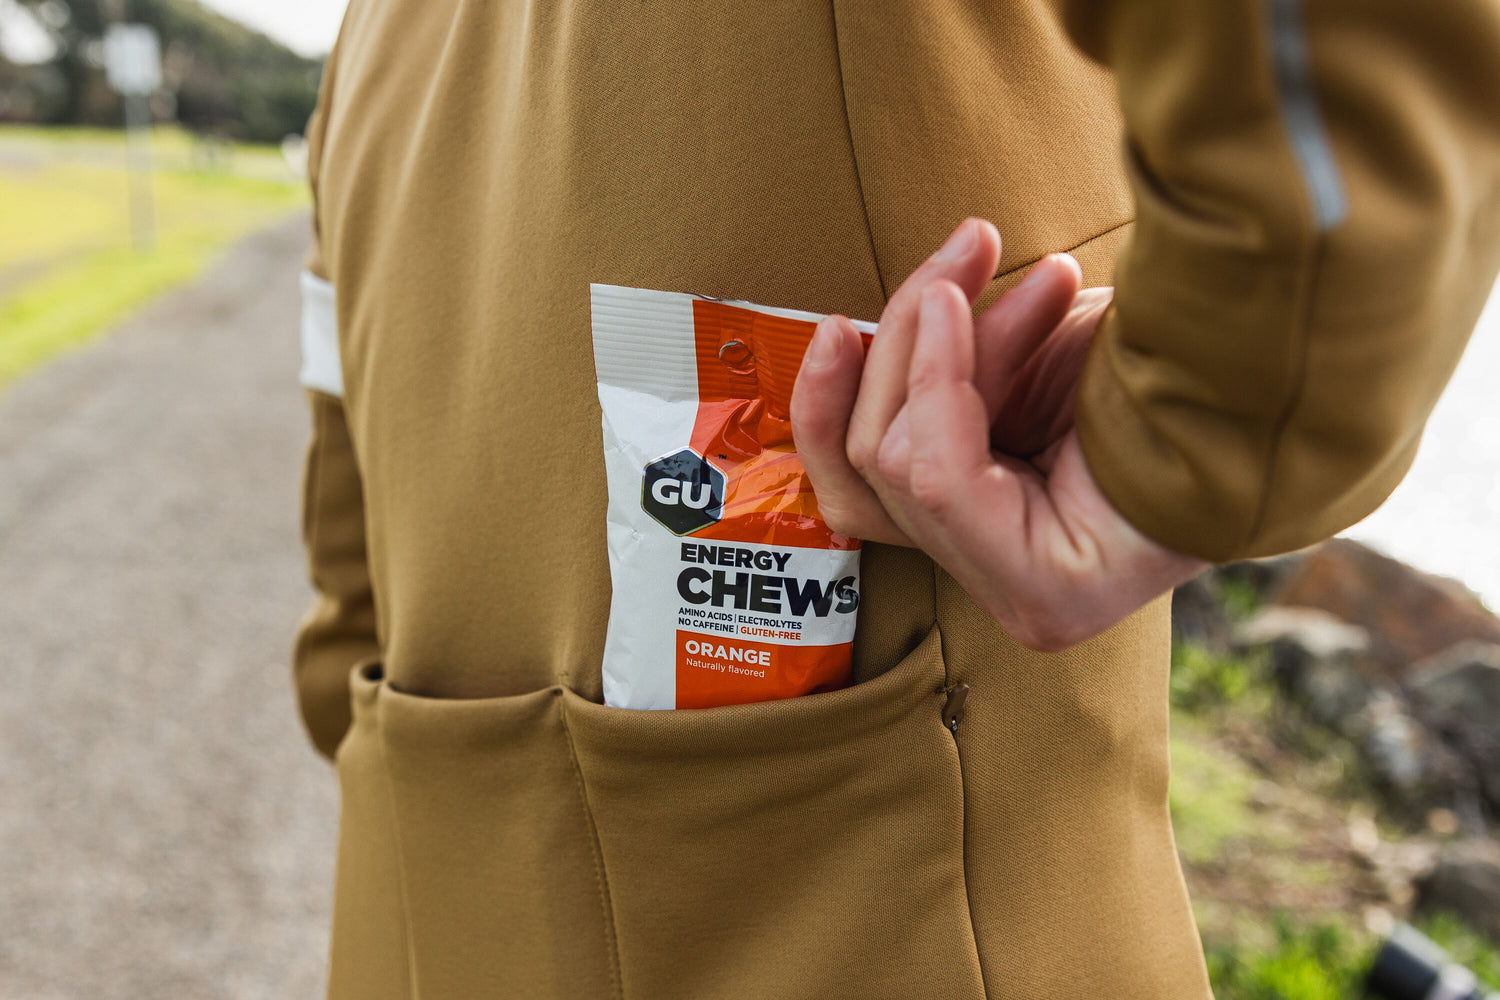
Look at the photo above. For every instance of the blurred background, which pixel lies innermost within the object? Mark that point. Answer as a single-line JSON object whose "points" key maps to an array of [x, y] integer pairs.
{"points": [[165, 830]]}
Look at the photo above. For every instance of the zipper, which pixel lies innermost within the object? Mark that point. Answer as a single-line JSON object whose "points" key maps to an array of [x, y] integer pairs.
{"points": [[953, 708]]}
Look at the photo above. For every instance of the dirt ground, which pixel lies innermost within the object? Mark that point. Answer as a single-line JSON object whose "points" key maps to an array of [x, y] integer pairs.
{"points": [[165, 829]]}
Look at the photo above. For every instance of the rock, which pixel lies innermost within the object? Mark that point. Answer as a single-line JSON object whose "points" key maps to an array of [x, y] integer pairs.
{"points": [[1399, 751], [1417, 769], [1408, 614], [1457, 693], [1205, 608], [1323, 666], [1465, 881], [1314, 632], [1462, 682], [1395, 866], [1315, 659]]}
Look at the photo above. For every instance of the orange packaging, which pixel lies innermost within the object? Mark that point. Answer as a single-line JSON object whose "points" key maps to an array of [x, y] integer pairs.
{"points": [[727, 585]]}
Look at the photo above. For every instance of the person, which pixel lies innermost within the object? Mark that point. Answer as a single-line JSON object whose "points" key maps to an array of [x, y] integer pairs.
{"points": [[1297, 204]]}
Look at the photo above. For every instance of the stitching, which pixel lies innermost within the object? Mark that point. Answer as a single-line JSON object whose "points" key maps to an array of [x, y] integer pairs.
{"points": [[1097, 236], [601, 877], [963, 860], [963, 805], [390, 786], [859, 186], [1312, 271]]}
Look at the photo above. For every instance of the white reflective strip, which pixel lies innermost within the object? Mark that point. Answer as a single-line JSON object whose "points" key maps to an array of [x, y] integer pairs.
{"points": [[1299, 111], [320, 337]]}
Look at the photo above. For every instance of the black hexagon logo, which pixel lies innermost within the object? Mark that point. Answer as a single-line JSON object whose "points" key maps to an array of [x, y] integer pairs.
{"points": [[683, 491]]}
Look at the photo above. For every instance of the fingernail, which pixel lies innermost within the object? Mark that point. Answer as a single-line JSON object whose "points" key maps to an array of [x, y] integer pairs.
{"points": [[824, 349], [959, 244], [1053, 260], [1041, 269], [1066, 261]]}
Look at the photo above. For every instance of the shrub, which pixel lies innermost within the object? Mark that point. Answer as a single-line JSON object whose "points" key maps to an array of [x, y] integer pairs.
{"points": [[1324, 961], [1203, 679]]}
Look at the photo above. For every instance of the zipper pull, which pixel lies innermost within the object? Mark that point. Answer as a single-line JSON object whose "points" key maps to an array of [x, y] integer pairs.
{"points": [[954, 706]]}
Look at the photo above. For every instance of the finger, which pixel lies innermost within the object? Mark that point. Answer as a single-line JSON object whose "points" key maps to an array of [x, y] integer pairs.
{"points": [[1019, 322], [968, 260], [945, 417], [894, 459], [1038, 407], [822, 399]]}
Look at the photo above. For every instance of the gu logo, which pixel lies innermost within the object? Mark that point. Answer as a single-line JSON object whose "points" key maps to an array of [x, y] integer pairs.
{"points": [[683, 492]]}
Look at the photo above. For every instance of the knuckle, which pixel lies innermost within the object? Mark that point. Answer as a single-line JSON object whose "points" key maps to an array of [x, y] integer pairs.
{"points": [[839, 521], [928, 487], [845, 517], [892, 464], [863, 454]]}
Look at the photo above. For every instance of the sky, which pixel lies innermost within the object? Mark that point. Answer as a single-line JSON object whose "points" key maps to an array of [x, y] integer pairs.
{"points": [[309, 26], [1445, 516]]}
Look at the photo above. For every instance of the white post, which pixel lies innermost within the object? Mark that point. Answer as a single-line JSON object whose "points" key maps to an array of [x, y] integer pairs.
{"points": [[132, 62], [138, 155]]}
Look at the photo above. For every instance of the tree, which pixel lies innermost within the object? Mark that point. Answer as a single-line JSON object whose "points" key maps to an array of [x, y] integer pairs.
{"points": [[223, 77]]}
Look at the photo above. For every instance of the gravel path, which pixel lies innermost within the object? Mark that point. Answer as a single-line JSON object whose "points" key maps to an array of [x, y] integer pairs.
{"points": [[165, 829]]}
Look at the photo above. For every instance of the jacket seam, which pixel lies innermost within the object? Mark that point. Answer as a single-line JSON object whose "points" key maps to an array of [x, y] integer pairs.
{"points": [[410, 958], [964, 864], [963, 805], [1310, 272], [859, 185], [1081, 243], [601, 875]]}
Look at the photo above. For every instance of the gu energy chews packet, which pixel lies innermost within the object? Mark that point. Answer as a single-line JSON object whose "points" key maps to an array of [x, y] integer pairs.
{"points": [[728, 586]]}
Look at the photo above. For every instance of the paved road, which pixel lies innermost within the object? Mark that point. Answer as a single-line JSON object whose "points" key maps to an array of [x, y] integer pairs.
{"points": [[165, 831]]}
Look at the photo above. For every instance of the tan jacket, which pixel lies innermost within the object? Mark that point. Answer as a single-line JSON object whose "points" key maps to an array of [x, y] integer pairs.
{"points": [[1315, 189]]}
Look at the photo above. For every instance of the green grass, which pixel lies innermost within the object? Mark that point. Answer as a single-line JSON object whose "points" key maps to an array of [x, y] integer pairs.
{"points": [[1323, 961], [67, 267], [1260, 827], [1328, 960], [1209, 797], [1203, 680], [1240, 597]]}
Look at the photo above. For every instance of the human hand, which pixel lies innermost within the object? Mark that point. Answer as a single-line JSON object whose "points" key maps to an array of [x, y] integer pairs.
{"points": [[957, 436]]}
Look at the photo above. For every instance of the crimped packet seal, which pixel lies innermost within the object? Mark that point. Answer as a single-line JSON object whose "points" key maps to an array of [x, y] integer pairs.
{"points": [[728, 587]]}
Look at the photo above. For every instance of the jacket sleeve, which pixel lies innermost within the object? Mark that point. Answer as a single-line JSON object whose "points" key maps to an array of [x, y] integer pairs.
{"points": [[339, 629], [1317, 190]]}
